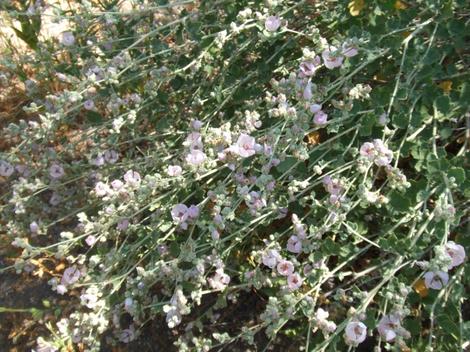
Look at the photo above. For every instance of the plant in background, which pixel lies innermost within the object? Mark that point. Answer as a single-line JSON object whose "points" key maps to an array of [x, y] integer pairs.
{"points": [[175, 157]]}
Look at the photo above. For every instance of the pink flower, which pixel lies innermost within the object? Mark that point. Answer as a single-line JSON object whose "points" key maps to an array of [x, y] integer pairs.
{"points": [[56, 171], [331, 58], [245, 146], [272, 23], [356, 332], [179, 213], [132, 178], [456, 252], [285, 267], [195, 157], [270, 258], [320, 118], [294, 281], [388, 326], [436, 280], [6, 170], [70, 276], [294, 244], [174, 170]]}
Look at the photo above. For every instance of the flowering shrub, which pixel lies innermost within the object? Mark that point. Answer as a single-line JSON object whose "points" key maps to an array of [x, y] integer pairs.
{"points": [[174, 156]]}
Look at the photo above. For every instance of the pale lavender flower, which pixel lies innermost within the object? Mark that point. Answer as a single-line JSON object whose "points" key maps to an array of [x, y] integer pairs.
{"points": [[307, 93], [314, 108], [61, 289], [56, 171], [272, 23], [270, 258], [349, 49], [55, 199], [99, 160], [245, 146], [34, 228], [294, 281], [331, 58], [179, 213], [123, 224], [294, 244], [89, 104], [111, 156], [436, 280], [6, 170], [220, 280], [285, 267], [117, 185], [67, 39], [196, 125], [194, 141], [193, 211], [102, 189], [70, 276], [356, 332], [174, 170], [368, 150], [195, 157], [320, 118], [132, 178], [90, 240], [127, 335], [456, 253], [215, 235], [388, 326], [308, 68]]}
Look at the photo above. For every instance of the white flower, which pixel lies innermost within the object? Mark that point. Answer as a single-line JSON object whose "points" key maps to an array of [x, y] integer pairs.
{"points": [[436, 280], [388, 326], [34, 227], [272, 23], [102, 189], [456, 252], [356, 332]]}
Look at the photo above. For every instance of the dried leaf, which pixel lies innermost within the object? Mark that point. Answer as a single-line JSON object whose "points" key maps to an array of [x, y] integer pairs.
{"points": [[446, 86], [355, 7], [400, 5], [313, 138], [420, 288]]}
